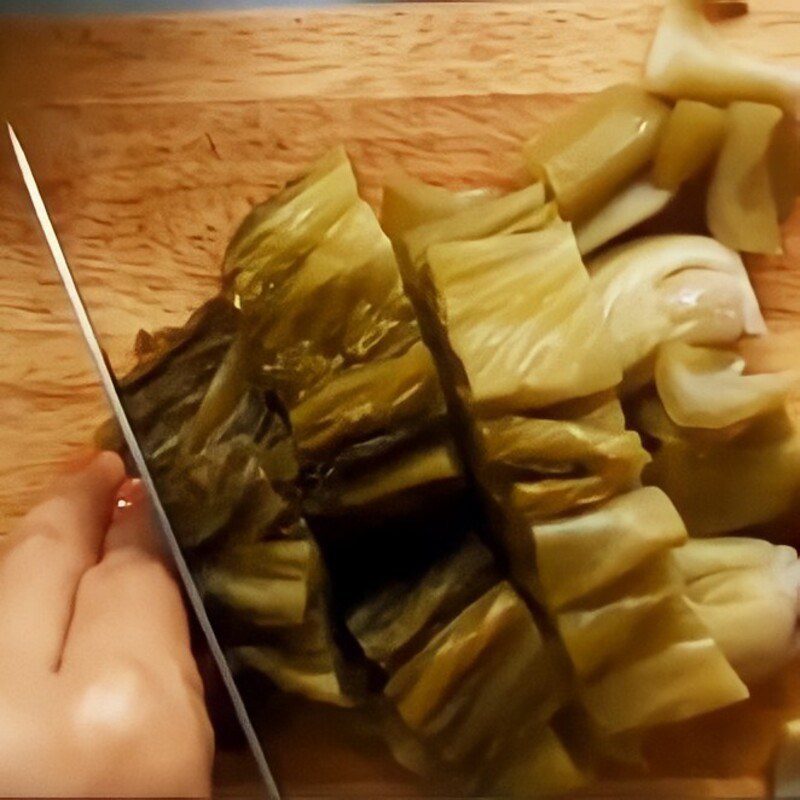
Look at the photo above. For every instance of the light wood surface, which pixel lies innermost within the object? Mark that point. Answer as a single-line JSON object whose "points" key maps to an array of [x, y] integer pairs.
{"points": [[151, 137]]}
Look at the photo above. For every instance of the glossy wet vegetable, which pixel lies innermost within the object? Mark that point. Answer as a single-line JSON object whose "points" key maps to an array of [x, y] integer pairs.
{"points": [[594, 149]]}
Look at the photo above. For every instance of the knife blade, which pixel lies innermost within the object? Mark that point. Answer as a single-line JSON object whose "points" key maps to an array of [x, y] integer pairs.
{"points": [[160, 518]]}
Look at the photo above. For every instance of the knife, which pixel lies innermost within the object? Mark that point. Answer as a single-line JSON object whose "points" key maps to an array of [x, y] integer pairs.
{"points": [[160, 518]]}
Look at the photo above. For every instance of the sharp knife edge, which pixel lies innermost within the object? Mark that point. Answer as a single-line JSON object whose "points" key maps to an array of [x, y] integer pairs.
{"points": [[160, 517]]}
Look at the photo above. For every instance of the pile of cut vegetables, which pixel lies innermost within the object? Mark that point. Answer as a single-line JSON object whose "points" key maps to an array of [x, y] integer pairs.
{"points": [[494, 471]]}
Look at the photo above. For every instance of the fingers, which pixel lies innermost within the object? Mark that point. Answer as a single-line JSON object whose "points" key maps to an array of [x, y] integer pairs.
{"points": [[44, 558], [128, 608]]}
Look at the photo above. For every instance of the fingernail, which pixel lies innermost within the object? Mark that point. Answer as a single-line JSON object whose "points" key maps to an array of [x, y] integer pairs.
{"points": [[130, 494]]}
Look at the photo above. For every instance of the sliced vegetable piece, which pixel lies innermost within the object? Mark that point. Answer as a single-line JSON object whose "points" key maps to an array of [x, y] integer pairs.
{"points": [[702, 387], [265, 582], [275, 234], [490, 660], [567, 463], [409, 202], [512, 306], [634, 204], [688, 59], [523, 210], [728, 481], [745, 592], [741, 209], [579, 555], [691, 139], [675, 672], [594, 149], [660, 288], [404, 616]]}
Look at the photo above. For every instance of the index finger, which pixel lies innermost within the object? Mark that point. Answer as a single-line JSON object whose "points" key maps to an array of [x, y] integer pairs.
{"points": [[45, 557]]}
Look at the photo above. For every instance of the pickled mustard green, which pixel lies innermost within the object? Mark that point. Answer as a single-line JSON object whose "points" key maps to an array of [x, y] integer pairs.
{"points": [[691, 139], [588, 153], [741, 209]]}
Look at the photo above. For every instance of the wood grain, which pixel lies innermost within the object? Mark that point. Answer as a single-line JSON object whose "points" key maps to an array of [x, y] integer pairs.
{"points": [[152, 136]]}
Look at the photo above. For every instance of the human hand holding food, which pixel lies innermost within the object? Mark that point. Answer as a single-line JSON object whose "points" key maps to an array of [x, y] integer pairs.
{"points": [[99, 692]]}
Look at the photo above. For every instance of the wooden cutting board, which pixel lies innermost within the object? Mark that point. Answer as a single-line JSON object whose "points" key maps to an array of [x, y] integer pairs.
{"points": [[152, 136]]}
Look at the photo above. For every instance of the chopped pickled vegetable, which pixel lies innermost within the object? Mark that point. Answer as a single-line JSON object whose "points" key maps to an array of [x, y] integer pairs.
{"points": [[725, 480], [705, 388], [620, 612], [634, 204], [688, 59], [339, 344], [276, 233], [490, 660], [566, 463], [674, 672], [266, 582], [673, 287], [409, 202], [577, 556], [225, 466], [405, 615], [692, 138], [594, 149], [741, 208], [512, 307], [745, 591], [521, 211]]}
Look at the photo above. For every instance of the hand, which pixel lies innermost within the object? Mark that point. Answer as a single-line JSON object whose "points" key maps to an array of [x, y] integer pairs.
{"points": [[99, 692]]}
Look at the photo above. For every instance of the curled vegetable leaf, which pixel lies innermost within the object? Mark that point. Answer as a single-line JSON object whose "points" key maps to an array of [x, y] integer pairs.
{"points": [[634, 204], [726, 480], [688, 59], [747, 593], [692, 137], [512, 306], [705, 388], [660, 288], [409, 202], [592, 150]]}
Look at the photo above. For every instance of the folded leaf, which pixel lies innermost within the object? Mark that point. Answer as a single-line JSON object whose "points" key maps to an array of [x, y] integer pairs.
{"points": [[745, 591], [705, 388], [661, 288], [688, 59]]}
